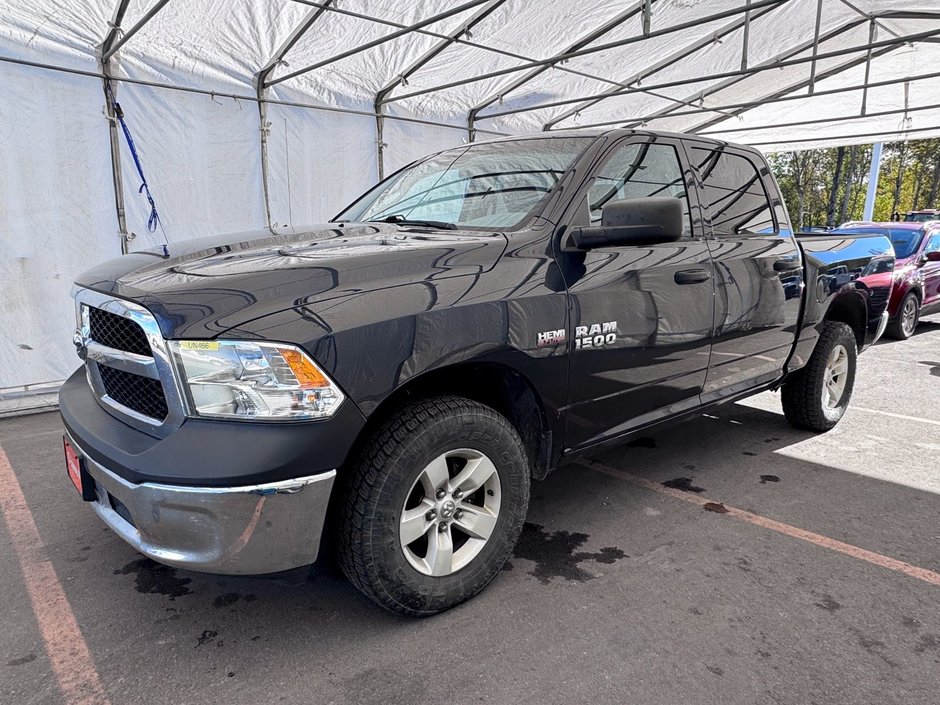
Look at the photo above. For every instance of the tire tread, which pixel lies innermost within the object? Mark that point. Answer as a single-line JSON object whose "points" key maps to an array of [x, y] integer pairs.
{"points": [[799, 394], [369, 470]]}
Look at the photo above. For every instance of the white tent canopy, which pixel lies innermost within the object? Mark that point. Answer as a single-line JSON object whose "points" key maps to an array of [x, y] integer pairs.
{"points": [[250, 114]]}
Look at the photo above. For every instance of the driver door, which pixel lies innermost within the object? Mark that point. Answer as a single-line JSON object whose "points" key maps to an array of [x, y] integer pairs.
{"points": [[641, 315]]}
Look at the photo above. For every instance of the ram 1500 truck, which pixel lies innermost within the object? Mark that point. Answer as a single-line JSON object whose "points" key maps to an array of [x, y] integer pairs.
{"points": [[395, 378]]}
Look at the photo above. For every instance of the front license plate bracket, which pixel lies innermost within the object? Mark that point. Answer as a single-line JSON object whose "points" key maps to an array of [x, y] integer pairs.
{"points": [[75, 468]]}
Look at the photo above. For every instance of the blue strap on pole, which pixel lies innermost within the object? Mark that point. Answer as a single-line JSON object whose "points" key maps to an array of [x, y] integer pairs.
{"points": [[154, 220]]}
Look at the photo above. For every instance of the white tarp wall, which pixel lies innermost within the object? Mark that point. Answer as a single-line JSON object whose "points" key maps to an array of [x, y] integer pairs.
{"points": [[186, 83]]}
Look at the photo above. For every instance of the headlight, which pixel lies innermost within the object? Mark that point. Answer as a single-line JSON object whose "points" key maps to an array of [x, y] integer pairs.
{"points": [[247, 380]]}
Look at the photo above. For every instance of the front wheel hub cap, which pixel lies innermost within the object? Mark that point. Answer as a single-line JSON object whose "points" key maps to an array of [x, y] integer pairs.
{"points": [[450, 513]]}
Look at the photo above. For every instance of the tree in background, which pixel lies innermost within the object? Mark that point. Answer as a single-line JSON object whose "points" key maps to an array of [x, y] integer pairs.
{"points": [[828, 186]]}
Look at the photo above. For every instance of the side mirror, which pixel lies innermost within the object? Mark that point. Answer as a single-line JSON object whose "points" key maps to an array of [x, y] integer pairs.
{"points": [[633, 221], [932, 256]]}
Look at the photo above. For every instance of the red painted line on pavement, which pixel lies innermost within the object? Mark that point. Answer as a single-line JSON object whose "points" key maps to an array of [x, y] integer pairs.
{"points": [[928, 576], [68, 653]]}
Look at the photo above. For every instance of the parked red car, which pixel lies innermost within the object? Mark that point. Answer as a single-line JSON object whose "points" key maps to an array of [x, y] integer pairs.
{"points": [[916, 288]]}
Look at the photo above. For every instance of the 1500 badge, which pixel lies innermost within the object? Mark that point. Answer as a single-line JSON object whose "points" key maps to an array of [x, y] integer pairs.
{"points": [[595, 335]]}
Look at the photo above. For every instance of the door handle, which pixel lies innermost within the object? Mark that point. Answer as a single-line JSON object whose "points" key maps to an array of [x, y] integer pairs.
{"points": [[692, 276], [786, 265]]}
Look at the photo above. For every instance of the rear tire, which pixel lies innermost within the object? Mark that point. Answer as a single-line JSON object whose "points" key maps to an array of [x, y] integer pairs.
{"points": [[445, 461], [816, 397], [905, 323]]}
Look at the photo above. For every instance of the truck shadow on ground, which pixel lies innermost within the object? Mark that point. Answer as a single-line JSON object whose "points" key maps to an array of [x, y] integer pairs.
{"points": [[735, 453]]}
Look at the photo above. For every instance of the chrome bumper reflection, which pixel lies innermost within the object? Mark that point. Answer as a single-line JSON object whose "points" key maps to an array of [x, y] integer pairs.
{"points": [[881, 327], [247, 530]]}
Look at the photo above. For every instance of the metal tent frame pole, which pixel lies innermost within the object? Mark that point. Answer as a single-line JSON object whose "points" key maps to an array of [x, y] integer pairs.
{"points": [[114, 46], [635, 121], [643, 7], [768, 65], [260, 81], [759, 102], [872, 181], [402, 77], [558, 58], [113, 41], [381, 40], [665, 62], [805, 82], [822, 121]]}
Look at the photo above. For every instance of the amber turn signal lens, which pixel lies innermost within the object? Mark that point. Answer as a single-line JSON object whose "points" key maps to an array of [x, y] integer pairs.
{"points": [[304, 370]]}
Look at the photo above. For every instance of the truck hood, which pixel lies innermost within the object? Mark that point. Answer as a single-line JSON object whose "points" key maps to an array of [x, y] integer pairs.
{"points": [[207, 286]]}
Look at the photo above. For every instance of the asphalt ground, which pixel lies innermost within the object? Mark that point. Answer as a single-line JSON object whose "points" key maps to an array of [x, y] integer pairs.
{"points": [[781, 567]]}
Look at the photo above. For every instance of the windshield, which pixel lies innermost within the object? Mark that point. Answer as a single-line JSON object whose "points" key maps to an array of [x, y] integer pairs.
{"points": [[488, 186], [921, 217], [905, 242]]}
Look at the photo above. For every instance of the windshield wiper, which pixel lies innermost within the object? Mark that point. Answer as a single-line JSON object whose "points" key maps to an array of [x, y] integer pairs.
{"points": [[399, 219]]}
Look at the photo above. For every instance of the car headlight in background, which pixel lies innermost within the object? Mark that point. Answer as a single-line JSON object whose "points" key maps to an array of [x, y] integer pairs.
{"points": [[247, 380]]}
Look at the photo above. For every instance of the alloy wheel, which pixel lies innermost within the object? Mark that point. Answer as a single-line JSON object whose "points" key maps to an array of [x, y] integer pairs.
{"points": [[835, 377], [909, 316], [450, 512]]}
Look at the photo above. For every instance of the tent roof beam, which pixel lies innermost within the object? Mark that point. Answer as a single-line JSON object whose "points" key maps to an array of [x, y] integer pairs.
{"points": [[640, 7], [113, 43], [554, 60], [435, 51], [822, 121], [771, 97], [380, 40], [447, 37], [880, 135], [261, 78], [640, 121], [764, 66], [867, 16], [665, 62], [114, 26]]}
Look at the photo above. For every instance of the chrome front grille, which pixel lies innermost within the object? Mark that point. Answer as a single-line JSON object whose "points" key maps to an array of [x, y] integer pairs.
{"points": [[143, 395], [117, 332], [127, 362]]}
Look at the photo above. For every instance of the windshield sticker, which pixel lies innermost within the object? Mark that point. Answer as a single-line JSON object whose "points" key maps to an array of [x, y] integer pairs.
{"points": [[595, 335]]}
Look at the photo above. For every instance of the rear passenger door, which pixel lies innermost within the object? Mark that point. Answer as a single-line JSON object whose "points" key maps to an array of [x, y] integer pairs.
{"points": [[641, 315], [758, 269]]}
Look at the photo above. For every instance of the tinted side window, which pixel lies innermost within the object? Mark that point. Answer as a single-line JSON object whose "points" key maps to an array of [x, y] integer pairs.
{"points": [[734, 193], [933, 244], [638, 170]]}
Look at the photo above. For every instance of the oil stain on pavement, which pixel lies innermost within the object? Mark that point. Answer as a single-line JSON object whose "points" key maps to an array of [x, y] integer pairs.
{"points": [[684, 484], [555, 554], [154, 578]]}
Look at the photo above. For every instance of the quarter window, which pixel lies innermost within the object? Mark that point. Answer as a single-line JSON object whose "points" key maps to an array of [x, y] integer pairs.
{"points": [[734, 193], [639, 170]]}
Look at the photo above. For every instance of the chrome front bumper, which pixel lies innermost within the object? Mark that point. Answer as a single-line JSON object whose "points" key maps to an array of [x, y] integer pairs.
{"points": [[248, 530], [882, 325]]}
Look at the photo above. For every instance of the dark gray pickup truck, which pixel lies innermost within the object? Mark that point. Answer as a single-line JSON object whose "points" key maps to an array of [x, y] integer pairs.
{"points": [[394, 379]]}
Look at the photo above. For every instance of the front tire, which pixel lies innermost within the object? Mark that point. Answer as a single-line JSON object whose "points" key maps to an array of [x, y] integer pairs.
{"points": [[434, 506], [816, 397], [905, 323]]}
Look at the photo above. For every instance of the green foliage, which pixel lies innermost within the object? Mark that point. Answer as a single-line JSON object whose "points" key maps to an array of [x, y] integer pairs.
{"points": [[909, 180]]}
